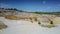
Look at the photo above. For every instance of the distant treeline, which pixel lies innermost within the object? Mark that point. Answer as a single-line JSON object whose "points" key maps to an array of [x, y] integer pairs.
{"points": [[11, 9], [55, 13]]}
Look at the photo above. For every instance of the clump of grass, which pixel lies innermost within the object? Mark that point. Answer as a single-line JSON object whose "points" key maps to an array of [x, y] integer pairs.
{"points": [[31, 19], [39, 22], [11, 17], [35, 19], [51, 22]]}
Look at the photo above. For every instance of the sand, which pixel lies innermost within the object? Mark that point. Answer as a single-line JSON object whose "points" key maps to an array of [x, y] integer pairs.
{"points": [[26, 27]]}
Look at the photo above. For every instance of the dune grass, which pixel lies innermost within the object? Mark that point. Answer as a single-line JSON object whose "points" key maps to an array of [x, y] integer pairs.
{"points": [[35, 19], [11, 17], [31, 19]]}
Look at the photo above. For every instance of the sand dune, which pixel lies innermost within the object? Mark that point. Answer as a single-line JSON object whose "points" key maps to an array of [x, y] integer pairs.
{"points": [[26, 27]]}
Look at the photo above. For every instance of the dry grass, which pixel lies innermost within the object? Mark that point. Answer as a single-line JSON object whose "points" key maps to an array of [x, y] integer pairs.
{"points": [[31, 19], [11, 17], [48, 26]]}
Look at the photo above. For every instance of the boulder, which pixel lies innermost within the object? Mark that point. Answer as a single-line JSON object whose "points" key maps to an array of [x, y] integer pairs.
{"points": [[2, 25]]}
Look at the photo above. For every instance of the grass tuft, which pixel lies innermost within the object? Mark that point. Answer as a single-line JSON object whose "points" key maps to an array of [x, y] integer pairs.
{"points": [[35, 19], [39, 22], [31, 19]]}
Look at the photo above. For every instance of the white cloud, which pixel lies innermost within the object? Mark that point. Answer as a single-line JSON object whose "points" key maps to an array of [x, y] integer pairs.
{"points": [[58, 5], [41, 10], [44, 2], [48, 7], [3, 5]]}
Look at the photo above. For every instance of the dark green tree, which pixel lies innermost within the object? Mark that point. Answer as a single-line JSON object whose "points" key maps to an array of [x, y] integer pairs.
{"points": [[14, 9]]}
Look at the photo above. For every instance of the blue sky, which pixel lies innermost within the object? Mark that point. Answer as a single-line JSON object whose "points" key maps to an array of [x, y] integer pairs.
{"points": [[32, 5]]}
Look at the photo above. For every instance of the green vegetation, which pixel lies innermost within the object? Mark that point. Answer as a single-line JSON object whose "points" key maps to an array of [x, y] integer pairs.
{"points": [[11, 17], [54, 13], [39, 22], [20, 10], [35, 19], [31, 19], [51, 22], [8, 8], [12, 9]]}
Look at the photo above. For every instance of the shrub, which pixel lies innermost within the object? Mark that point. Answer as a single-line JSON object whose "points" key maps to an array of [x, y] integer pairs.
{"points": [[39, 23], [30, 18], [51, 22], [35, 19]]}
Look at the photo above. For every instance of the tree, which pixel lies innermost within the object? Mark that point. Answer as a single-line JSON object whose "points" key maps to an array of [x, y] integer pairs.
{"points": [[1, 8], [11, 9], [20, 11], [14, 9]]}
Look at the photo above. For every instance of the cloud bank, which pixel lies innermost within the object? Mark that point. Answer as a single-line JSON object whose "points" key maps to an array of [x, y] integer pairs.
{"points": [[3, 5]]}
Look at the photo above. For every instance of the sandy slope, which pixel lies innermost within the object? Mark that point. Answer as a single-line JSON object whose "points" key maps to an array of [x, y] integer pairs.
{"points": [[26, 27], [56, 20]]}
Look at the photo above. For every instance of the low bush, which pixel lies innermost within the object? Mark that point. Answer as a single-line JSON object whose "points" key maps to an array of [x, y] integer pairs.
{"points": [[39, 22], [35, 19]]}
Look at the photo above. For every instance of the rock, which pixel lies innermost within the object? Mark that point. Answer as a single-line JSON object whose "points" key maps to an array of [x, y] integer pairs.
{"points": [[2, 25]]}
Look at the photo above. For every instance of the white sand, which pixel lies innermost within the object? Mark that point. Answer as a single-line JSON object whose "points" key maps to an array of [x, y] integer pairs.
{"points": [[26, 27]]}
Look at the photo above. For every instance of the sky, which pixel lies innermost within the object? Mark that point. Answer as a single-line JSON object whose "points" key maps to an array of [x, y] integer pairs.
{"points": [[32, 5]]}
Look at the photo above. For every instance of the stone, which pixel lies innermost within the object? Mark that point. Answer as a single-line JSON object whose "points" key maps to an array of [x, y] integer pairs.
{"points": [[2, 25]]}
